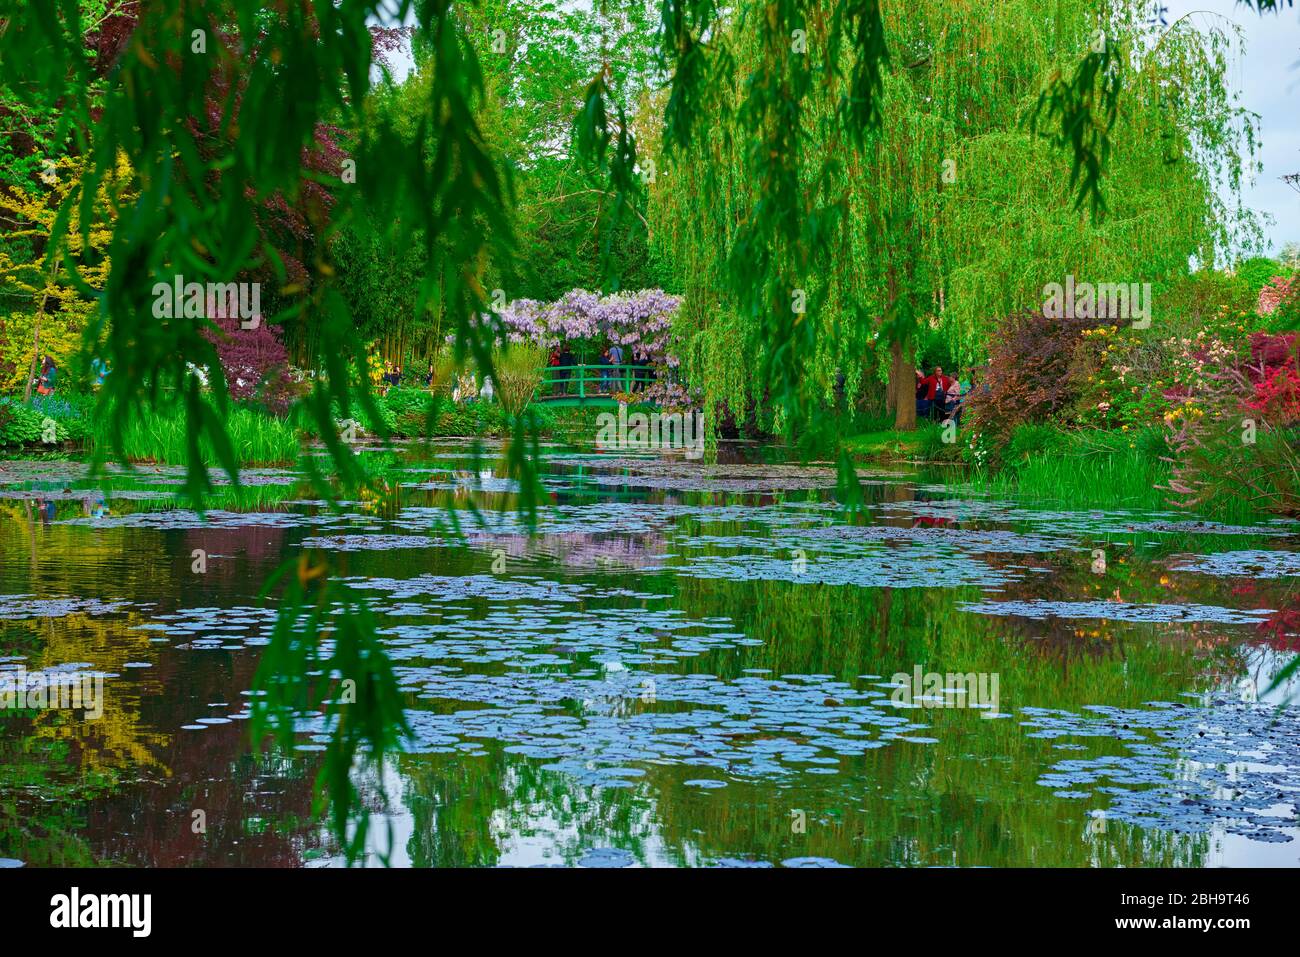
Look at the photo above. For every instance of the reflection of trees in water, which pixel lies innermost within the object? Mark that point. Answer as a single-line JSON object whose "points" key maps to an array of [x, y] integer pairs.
{"points": [[910, 805], [581, 550], [122, 787], [126, 791], [1217, 651], [242, 554], [470, 812], [970, 798], [258, 808], [1261, 664]]}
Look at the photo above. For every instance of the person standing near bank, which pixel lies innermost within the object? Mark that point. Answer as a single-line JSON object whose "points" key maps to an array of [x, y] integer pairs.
{"points": [[49, 372], [936, 389]]}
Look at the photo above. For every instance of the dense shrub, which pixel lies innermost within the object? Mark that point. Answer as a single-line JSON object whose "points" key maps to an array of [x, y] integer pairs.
{"points": [[1279, 304], [408, 410], [1232, 428], [386, 424], [254, 362], [1118, 376], [19, 424], [22, 424], [1028, 374], [1107, 374], [1256, 271], [470, 418], [402, 400], [1274, 376]]}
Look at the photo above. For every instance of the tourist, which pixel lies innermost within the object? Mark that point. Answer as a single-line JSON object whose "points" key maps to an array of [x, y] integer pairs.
{"points": [[642, 376], [616, 361], [959, 392], [922, 402], [49, 372], [606, 371], [566, 369], [553, 363], [936, 387], [951, 400]]}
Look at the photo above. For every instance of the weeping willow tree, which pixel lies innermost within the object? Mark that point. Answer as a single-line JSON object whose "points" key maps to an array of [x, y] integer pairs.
{"points": [[957, 207], [796, 127]]}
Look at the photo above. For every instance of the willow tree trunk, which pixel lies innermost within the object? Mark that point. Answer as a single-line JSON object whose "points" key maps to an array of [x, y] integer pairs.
{"points": [[902, 386], [36, 349]]}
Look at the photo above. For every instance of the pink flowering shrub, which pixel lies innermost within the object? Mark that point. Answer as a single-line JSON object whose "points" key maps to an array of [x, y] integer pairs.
{"points": [[1275, 379], [1232, 424], [1277, 397], [1278, 290]]}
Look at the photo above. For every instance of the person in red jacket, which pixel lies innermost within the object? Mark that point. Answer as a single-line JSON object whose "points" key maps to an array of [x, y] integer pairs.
{"points": [[936, 382]]}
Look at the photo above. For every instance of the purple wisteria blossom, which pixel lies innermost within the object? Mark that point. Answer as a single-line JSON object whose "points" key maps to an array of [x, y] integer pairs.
{"points": [[638, 321]]}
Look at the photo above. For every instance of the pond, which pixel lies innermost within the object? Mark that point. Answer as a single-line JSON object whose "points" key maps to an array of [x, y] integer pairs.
{"points": [[688, 663]]}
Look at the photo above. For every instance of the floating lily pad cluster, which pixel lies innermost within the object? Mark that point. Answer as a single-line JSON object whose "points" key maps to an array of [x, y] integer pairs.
{"points": [[1232, 765], [1039, 610]]}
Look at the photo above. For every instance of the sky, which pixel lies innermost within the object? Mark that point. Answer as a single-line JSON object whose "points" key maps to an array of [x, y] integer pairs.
{"points": [[1268, 79]]}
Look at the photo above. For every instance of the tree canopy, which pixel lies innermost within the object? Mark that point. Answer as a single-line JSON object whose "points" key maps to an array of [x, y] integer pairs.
{"points": [[954, 211]]}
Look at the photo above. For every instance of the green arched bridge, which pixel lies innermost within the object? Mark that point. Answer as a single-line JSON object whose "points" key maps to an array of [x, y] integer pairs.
{"points": [[591, 384]]}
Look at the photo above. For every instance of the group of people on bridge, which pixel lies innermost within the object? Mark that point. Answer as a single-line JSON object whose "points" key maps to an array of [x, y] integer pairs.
{"points": [[613, 370]]}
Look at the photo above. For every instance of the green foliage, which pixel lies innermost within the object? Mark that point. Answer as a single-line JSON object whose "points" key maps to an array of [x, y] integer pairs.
{"points": [[1083, 110], [403, 401], [161, 435], [1285, 317], [19, 424], [1092, 468], [1033, 439], [380, 421], [931, 445], [952, 212], [23, 423], [519, 373], [1256, 272], [769, 139], [470, 418]]}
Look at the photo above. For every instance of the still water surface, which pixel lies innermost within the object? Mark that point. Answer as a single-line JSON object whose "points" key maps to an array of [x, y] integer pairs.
{"points": [[687, 664]]}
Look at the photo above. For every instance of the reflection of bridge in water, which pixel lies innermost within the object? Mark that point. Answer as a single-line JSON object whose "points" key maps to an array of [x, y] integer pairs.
{"points": [[591, 384]]}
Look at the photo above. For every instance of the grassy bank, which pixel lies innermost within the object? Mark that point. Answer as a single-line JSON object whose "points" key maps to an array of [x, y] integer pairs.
{"points": [[882, 444], [72, 424], [257, 438], [1044, 464]]}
